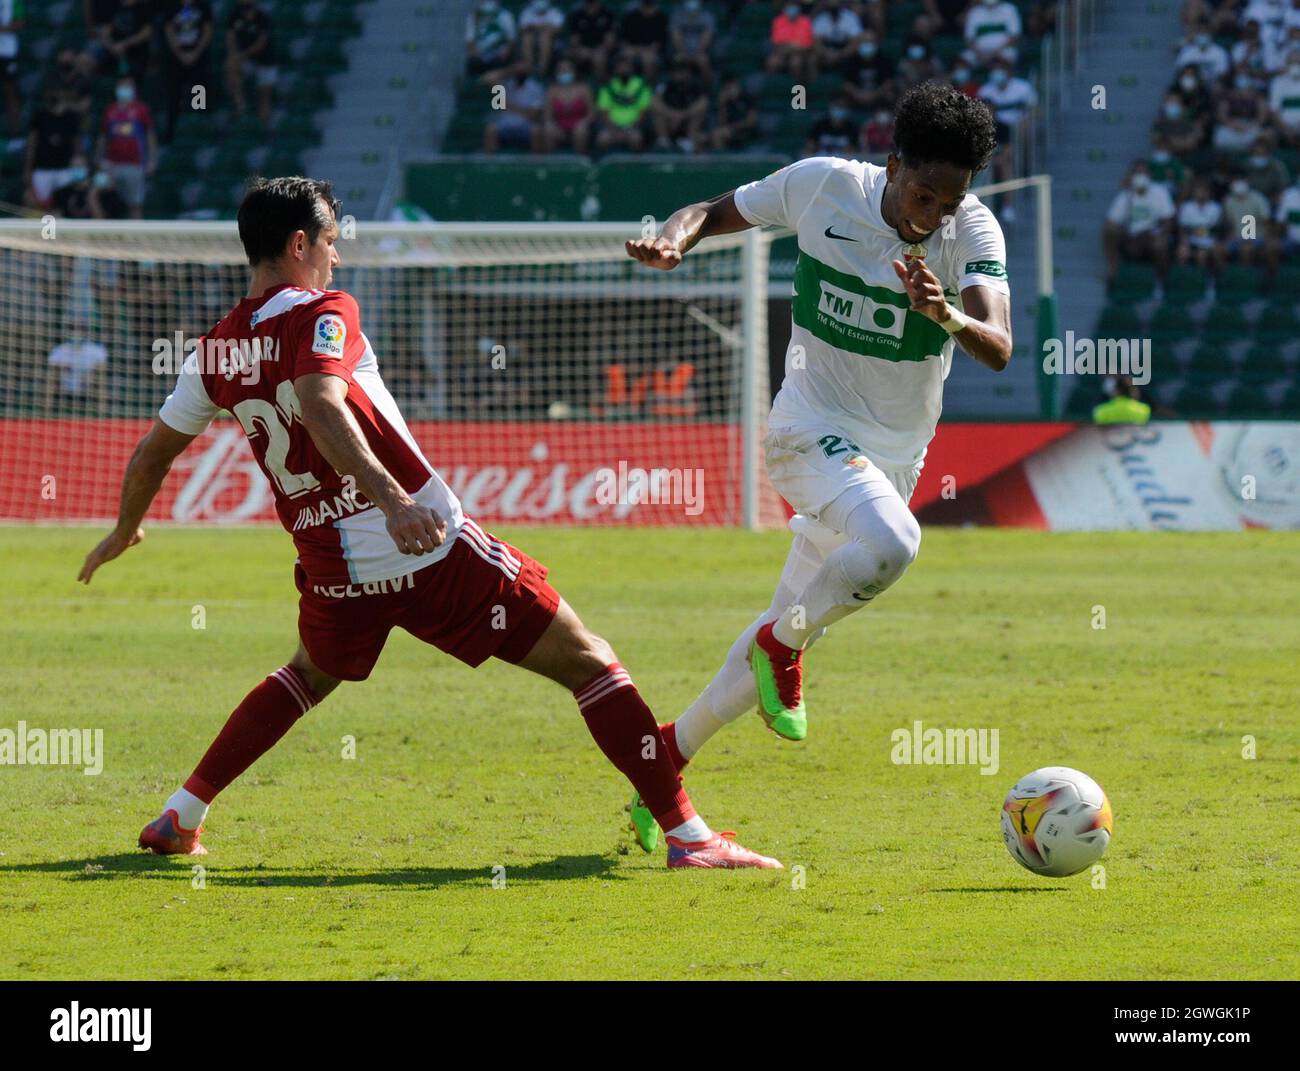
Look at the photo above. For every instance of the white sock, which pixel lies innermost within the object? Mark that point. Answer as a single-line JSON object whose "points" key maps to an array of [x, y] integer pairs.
{"points": [[730, 694], [190, 810], [691, 831]]}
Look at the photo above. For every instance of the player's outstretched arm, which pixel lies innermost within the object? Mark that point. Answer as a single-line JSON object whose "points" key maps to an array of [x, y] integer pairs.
{"points": [[145, 472], [983, 329], [415, 529], [684, 228]]}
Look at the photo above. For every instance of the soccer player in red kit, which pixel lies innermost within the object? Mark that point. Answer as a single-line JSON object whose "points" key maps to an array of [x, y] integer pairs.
{"points": [[382, 541]]}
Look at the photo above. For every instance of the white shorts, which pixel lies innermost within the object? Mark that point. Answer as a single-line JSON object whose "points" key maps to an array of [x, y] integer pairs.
{"points": [[823, 473]]}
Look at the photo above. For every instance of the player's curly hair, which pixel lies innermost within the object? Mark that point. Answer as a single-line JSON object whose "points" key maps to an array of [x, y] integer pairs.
{"points": [[937, 121]]}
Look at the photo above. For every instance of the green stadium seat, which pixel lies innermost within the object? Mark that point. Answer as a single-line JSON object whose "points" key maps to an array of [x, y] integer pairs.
{"points": [[1225, 323], [1277, 325], [1170, 324], [1133, 282], [1187, 284], [1286, 284], [1118, 321], [1249, 399], [1196, 400], [1208, 362], [1240, 282]]}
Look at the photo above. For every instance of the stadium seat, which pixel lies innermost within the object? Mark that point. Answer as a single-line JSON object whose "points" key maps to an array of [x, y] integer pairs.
{"points": [[1133, 282], [1249, 398], [1118, 321], [1240, 282], [1170, 324], [1186, 284], [1225, 323]]}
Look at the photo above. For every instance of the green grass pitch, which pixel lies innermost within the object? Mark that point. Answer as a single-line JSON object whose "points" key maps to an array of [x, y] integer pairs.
{"points": [[382, 865]]}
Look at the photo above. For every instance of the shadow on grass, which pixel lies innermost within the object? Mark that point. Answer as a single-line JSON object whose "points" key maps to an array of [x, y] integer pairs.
{"points": [[1000, 889], [138, 864]]}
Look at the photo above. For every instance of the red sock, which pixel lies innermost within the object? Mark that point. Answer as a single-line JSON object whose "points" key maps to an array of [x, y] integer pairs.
{"points": [[620, 722], [254, 727], [669, 732]]}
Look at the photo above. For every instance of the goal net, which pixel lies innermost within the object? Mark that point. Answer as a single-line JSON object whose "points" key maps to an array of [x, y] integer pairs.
{"points": [[548, 377]]}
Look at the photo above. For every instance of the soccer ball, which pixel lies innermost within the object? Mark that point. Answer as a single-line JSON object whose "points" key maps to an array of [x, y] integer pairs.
{"points": [[1056, 821]]}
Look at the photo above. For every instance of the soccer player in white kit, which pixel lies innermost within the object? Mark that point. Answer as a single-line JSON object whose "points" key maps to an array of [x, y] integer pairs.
{"points": [[896, 264]]}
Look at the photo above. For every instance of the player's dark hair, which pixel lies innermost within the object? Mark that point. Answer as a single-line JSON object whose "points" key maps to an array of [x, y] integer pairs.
{"points": [[274, 208], [936, 121]]}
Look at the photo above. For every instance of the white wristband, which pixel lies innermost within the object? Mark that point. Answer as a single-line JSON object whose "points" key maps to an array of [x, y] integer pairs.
{"points": [[956, 322]]}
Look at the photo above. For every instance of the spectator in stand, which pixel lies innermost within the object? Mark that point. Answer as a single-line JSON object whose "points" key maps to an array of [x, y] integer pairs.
{"points": [[1165, 167], [1241, 115], [11, 25], [125, 38], [992, 31], [77, 380], [622, 103], [519, 124], [1265, 172], [1257, 52], [251, 50], [792, 43], [836, 30], [737, 121], [643, 33], [1200, 219], [72, 79], [868, 75], [590, 30], [568, 111], [52, 143], [1012, 101], [692, 29], [88, 196], [680, 109], [1270, 14], [128, 149], [964, 79], [1284, 101], [1246, 213], [917, 65], [1286, 234], [1198, 98], [187, 33], [1181, 130], [835, 133], [1219, 15], [1201, 51], [877, 135], [1138, 225], [540, 22], [944, 17], [489, 40], [872, 15]]}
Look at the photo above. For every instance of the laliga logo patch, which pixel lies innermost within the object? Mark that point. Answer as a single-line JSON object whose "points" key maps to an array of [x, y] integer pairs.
{"points": [[330, 336]]}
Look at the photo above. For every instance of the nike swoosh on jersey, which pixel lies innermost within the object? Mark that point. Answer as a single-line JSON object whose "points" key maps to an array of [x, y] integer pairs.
{"points": [[841, 237]]}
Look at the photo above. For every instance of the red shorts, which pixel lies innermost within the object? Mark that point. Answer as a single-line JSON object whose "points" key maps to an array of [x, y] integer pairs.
{"points": [[484, 598]]}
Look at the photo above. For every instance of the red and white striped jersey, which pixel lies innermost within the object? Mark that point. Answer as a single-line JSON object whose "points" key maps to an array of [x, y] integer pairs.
{"points": [[247, 365]]}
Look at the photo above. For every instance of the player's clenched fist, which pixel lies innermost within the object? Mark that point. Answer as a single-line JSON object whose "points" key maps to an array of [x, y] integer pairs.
{"points": [[657, 252], [109, 548], [416, 529]]}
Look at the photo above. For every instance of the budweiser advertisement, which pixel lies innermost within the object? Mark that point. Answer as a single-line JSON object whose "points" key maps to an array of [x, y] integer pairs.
{"points": [[1177, 476], [509, 472]]}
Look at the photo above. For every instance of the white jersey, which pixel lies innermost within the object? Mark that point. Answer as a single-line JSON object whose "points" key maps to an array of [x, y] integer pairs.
{"points": [[859, 360]]}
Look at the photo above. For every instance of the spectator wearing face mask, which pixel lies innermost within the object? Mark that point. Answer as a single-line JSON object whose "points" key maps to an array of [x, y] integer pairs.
{"points": [[643, 34], [964, 79], [835, 133], [540, 22], [519, 124], [876, 138], [1138, 225], [567, 112], [88, 196], [1286, 231], [1165, 167], [489, 39], [250, 50], [1264, 171], [590, 32], [128, 150], [1012, 101], [52, 143], [187, 33], [1284, 101], [1201, 51], [1241, 115], [793, 49], [1200, 218], [691, 31], [126, 36], [868, 75], [1256, 51], [680, 109], [992, 31], [737, 116], [1198, 100], [1181, 131], [836, 27], [917, 65], [622, 104], [1246, 215], [12, 23]]}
